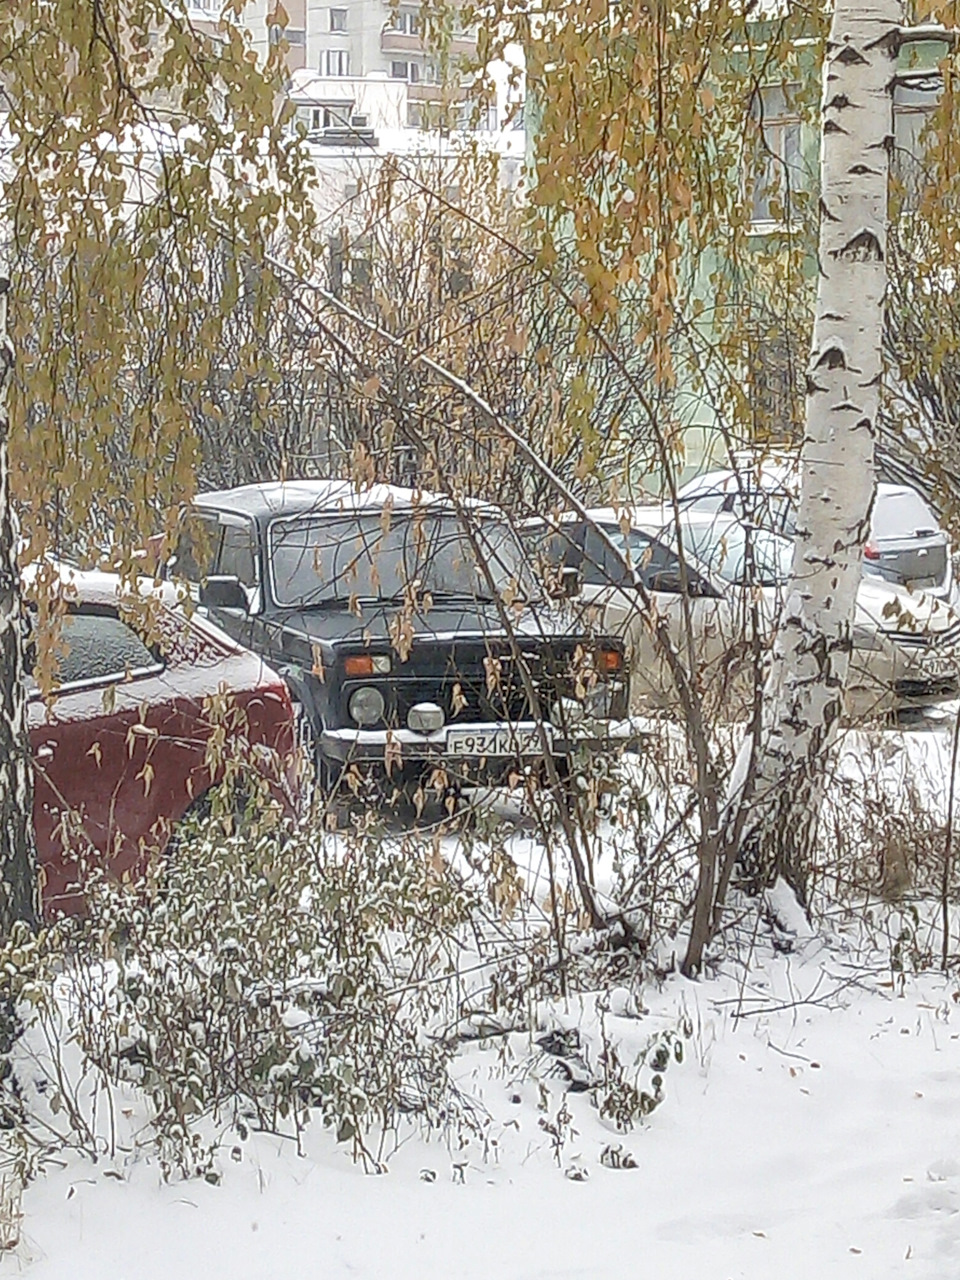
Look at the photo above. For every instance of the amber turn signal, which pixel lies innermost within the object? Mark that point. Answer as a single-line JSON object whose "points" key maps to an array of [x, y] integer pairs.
{"points": [[360, 665], [609, 660], [366, 664]]}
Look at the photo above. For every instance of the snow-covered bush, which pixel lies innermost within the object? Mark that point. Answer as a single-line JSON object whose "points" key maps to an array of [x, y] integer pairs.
{"points": [[265, 976], [278, 975]]}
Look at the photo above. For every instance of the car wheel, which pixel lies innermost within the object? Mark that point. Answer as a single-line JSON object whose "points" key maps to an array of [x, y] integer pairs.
{"points": [[213, 801]]}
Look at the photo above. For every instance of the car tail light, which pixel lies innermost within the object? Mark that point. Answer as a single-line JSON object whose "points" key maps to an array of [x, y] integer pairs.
{"points": [[609, 661], [871, 552], [367, 664]]}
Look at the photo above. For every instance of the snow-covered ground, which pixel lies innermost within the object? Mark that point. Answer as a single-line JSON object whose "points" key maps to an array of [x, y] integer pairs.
{"points": [[820, 1139], [811, 1130]]}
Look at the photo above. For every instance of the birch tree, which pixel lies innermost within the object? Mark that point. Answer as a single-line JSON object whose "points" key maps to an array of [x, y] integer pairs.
{"points": [[18, 887], [803, 697], [642, 111]]}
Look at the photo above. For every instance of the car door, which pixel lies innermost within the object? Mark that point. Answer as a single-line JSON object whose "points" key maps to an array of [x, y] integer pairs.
{"points": [[700, 623], [238, 557], [108, 749], [220, 543]]}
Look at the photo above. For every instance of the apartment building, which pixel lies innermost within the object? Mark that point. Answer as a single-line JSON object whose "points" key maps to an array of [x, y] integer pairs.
{"points": [[367, 82]]}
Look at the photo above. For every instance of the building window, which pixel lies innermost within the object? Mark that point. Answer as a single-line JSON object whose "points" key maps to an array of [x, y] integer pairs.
{"points": [[294, 36], [338, 19], [409, 71], [407, 21], [334, 117], [777, 172], [913, 104], [336, 62], [776, 362], [415, 119], [481, 117]]}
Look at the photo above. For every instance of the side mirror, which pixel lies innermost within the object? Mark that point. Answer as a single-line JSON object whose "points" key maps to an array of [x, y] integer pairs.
{"points": [[671, 583], [668, 583], [223, 593], [569, 582]]}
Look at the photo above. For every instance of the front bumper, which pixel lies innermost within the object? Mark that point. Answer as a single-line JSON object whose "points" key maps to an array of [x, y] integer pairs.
{"points": [[494, 744], [896, 676]]}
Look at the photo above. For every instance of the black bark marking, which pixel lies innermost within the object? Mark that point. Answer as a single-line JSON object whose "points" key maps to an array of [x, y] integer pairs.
{"points": [[864, 247], [832, 358], [851, 57]]}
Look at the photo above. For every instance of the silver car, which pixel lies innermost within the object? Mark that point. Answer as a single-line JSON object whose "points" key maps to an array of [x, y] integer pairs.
{"points": [[724, 594], [906, 544]]}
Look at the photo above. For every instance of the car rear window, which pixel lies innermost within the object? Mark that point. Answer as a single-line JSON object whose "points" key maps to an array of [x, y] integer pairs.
{"points": [[100, 645], [901, 514]]}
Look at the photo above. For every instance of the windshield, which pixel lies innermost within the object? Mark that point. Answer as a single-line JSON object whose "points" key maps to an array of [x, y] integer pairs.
{"points": [[724, 547], [379, 556], [633, 545]]}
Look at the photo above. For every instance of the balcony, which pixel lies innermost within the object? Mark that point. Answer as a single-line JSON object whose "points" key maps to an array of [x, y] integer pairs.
{"points": [[435, 93], [344, 136], [393, 41]]}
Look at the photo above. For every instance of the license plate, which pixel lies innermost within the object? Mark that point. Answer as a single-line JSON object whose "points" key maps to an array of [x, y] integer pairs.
{"points": [[495, 742], [940, 665]]}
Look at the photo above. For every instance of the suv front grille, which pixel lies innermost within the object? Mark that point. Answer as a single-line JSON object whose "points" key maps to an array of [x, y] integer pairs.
{"points": [[480, 683]]}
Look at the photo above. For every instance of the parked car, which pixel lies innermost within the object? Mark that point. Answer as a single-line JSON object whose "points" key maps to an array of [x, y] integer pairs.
{"points": [[906, 545], [729, 583], [120, 747], [386, 611]]}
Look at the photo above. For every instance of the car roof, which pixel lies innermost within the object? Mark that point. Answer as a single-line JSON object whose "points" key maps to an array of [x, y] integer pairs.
{"points": [[96, 587], [723, 520], [644, 518], [768, 475], [640, 517], [307, 497]]}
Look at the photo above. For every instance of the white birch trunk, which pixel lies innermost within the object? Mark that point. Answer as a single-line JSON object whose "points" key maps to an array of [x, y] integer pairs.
{"points": [[18, 879], [803, 695]]}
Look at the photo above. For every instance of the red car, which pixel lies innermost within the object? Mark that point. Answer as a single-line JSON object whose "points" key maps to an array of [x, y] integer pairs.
{"points": [[144, 716]]}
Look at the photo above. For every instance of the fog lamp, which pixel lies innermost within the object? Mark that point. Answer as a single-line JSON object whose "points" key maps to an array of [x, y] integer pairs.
{"points": [[425, 717]]}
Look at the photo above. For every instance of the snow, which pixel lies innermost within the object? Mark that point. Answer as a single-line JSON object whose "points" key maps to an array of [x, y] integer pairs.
{"points": [[812, 1129], [814, 1139]]}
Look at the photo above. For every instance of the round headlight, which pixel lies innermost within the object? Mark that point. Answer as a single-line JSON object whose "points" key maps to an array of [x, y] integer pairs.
{"points": [[366, 706]]}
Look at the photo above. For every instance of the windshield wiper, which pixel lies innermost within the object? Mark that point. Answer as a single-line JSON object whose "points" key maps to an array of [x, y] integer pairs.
{"points": [[459, 597], [328, 602]]}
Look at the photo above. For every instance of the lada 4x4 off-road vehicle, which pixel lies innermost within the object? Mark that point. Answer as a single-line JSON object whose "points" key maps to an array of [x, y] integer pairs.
{"points": [[409, 630]]}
